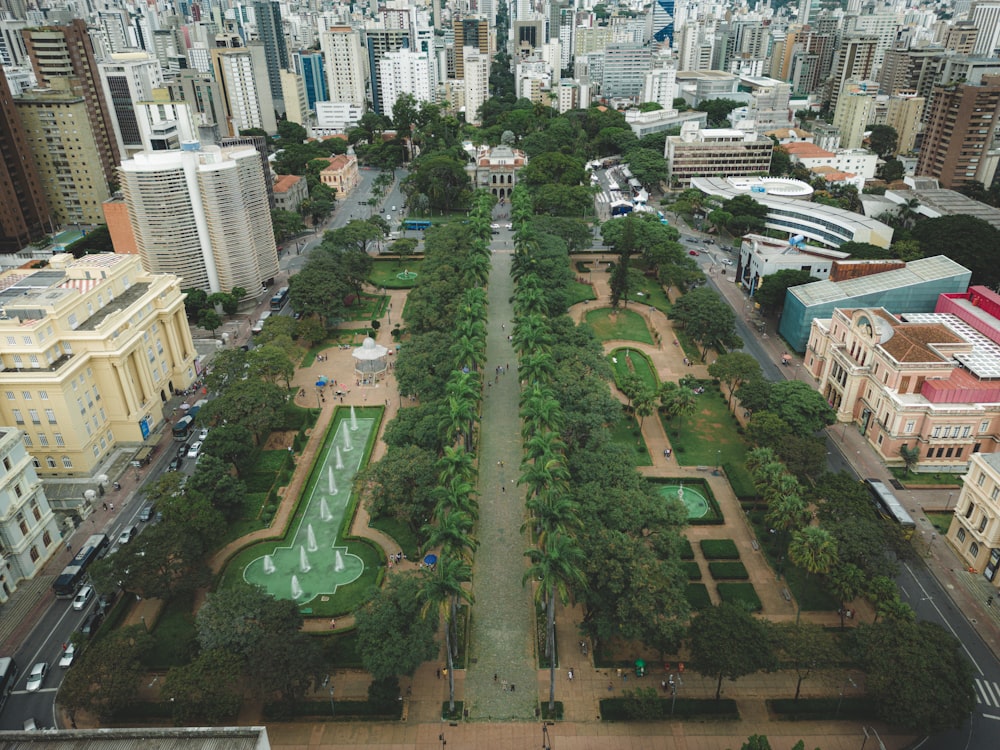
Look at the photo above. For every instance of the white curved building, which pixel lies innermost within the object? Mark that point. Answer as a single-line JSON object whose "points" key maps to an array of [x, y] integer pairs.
{"points": [[202, 215]]}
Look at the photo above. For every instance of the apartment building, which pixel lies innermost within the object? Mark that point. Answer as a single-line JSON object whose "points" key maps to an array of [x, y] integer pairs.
{"points": [[722, 152], [92, 350]]}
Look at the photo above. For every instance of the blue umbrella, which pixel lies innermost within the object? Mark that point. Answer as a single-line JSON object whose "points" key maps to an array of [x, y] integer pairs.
{"points": [[321, 382], [430, 559]]}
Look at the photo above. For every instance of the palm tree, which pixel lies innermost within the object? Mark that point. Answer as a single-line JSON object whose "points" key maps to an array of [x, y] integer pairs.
{"points": [[815, 550], [558, 568], [441, 591], [552, 510], [682, 402], [781, 486], [786, 514], [456, 463], [540, 366], [644, 404], [539, 476], [757, 457], [881, 590], [452, 535], [847, 582]]}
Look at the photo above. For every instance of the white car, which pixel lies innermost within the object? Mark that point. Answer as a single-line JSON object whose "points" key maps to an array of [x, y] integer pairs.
{"points": [[203, 434], [194, 450], [126, 536], [508, 226], [494, 226], [726, 262], [83, 597], [37, 677], [68, 654]]}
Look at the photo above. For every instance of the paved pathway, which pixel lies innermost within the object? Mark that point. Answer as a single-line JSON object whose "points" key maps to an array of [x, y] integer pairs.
{"points": [[502, 630]]}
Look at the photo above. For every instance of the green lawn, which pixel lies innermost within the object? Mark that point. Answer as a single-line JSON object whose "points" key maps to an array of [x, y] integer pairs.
{"points": [[940, 520], [626, 433], [367, 307], [923, 480], [640, 365], [384, 272], [708, 437], [578, 293], [174, 636], [624, 325], [652, 293], [400, 533]]}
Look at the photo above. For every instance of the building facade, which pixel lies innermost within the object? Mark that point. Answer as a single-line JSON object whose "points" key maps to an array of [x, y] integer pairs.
{"points": [[93, 348], [29, 534], [723, 152], [289, 192], [342, 175], [975, 527], [202, 215], [246, 90], [496, 169], [127, 79], [345, 66]]}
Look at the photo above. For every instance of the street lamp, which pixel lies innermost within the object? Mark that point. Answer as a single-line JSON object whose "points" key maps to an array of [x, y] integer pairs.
{"points": [[841, 699], [718, 459], [333, 710], [674, 682]]}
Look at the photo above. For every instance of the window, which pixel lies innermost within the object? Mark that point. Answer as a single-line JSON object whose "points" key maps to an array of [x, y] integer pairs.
{"points": [[26, 395], [43, 395], [43, 439], [79, 402], [18, 491], [18, 417], [33, 413], [27, 440], [984, 426], [969, 510], [936, 432], [6, 463], [50, 415], [995, 493], [966, 431], [980, 479], [59, 439], [36, 512], [22, 524], [34, 553], [50, 462], [10, 395], [46, 539], [66, 462], [909, 426], [974, 549], [982, 524]]}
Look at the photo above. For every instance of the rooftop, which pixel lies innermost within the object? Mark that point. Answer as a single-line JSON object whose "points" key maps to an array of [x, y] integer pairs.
{"points": [[807, 151], [935, 202]]}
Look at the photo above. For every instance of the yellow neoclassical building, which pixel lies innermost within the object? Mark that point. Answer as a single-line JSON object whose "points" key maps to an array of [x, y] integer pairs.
{"points": [[90, 350]]}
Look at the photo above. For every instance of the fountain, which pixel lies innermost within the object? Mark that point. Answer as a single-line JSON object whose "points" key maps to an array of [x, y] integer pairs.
{"points": [[268, 565], [324, 509], [354, 420], [680, 492], [347, 442], [304, 565], [333, 482], [311, 536], [338, 561], [296, 588], [340, 459]]}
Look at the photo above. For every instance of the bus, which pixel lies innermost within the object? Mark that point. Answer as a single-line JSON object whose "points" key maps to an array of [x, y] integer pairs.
{"points": [[418, 224], [259, 325], [8, 676], [72, 576], [279, 299], [182, 427], [889, 507]]}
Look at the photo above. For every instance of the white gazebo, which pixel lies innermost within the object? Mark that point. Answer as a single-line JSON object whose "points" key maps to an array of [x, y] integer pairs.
{"points": [[370, 362]]}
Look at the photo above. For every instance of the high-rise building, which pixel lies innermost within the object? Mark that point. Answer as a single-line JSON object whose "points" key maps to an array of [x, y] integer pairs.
{"points": [[855, 112], [404, 72], [271, 33], [66, 52], [904, 114], [378, 43], [477, 82], [986, 17], [625, 67], [24, 209], [345, 65], [294, 96], [66, 150], [959, 133], [246, 93], [29, 534], [12, 49], [311, 66], [202, 93], [663, 21], [202, 214], [854, 60], [99, 345], [128, 78], [961, 38], [469, 32]]}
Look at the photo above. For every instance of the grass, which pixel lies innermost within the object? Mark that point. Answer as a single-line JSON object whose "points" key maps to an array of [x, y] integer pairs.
{"points": [[728, 570], [697, 596], [634, 361], [578, 292], [367, 307], [624, 325], [709, 436], [940, 520], [740, 594], [384, 272], [626, 432], [174, 636], [652, 294], [335, 339], [400, 533], [719, 549], [923, 480]]}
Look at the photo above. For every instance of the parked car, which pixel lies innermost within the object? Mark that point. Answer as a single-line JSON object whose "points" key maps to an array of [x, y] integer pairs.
{"points": [[30, 725], [104, 603], [68, 654], [36, 677], [175, 464], [508, 226], [147, 512], [91, 624], [83, 597], [727, 262], [203, 434], [126, 535], [693, 252], [194, 450], [182, 450]]}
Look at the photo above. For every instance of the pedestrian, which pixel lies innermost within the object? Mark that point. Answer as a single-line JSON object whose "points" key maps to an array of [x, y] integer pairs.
{"points": [[503, 488], [104, 505], [438, 673], [570, 675], [69, 547], [112, 506], [503, 685], [503, 326], [494, 677], [333, 624]]}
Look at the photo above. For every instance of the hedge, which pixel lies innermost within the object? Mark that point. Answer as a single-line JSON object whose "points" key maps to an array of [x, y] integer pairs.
{"points": [[623, 709], [692, 569], [732, 570], [740, 593], [697, 596], [342, 710], [719, 549], [823, 709], [686, 551]]}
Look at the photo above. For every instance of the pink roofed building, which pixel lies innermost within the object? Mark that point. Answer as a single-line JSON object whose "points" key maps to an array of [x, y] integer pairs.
{"points": [[926, 381]]}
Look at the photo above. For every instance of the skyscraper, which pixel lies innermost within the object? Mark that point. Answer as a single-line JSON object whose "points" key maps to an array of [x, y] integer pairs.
{"points": [[202, 215], [345, 65], [959, 132], [986, 17], [271, 33], [24, 210], [66, 52], [313, 71], [404, 72], [128, 78], [242, 76]]}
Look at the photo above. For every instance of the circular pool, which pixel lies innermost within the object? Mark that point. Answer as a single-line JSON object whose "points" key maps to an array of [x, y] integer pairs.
{"points": [[695, 502]]}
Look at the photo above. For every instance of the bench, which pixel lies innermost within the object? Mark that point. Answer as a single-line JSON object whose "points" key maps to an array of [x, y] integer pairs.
{"points": [[755, 544], [787, 594]]}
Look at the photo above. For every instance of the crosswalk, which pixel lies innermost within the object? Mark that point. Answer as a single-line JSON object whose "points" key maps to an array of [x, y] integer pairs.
{"points": [[987, 693], [603, 198]]}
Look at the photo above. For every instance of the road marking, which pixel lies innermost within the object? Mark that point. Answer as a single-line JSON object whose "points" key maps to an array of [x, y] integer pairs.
{"points": [[25, 692], [991, 716], [993, 690], [944, 620]]}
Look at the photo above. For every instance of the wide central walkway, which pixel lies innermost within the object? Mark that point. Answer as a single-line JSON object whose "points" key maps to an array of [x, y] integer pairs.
{"points": [[501, 680]]}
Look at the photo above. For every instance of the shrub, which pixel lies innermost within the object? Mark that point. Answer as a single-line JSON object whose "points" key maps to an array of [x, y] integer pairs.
{"points": [[697, 596], [626, 709], [733, 570], [342, 710], [692, 569], [740, 594], [719, 549], [823, 709], [686, 551]]}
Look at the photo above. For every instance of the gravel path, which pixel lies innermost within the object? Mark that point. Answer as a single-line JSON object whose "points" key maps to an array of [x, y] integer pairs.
{"points": [[502, 628]]}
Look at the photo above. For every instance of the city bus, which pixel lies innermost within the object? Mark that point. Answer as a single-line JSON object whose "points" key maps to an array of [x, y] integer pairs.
{"points": [[8, 676], [72, 576], [417, 224], [279, 299], [182, 427], [889, 507]]}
